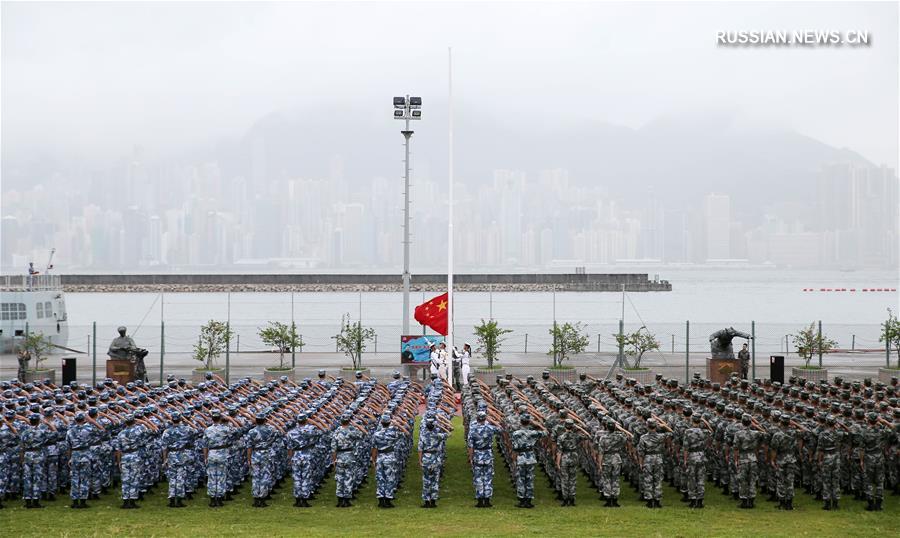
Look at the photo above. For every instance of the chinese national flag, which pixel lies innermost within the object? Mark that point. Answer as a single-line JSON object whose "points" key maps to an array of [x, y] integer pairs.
{"points": [[434, 314]]}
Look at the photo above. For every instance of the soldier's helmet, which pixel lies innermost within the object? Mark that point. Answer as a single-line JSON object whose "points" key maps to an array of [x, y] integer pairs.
{"points": [[569, 423], [481, 415], [651, 424]]}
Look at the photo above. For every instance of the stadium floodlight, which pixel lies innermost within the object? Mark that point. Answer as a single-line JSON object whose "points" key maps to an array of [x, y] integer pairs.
{"points": [[406, 108]]}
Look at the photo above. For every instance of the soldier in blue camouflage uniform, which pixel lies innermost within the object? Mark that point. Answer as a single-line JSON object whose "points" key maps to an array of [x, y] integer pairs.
{"points": [[694, 442], [9, 453], [385, 441], [302, 441], [261, 442], [128, 443], [33, 439], [431, 453], [51, 461], [79, 438], [177, 444], [343, 445], [217, 443], [523, 441], [480, 441]]}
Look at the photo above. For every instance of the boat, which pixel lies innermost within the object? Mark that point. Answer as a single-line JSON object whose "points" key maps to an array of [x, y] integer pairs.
{"points": [[32, 303]]}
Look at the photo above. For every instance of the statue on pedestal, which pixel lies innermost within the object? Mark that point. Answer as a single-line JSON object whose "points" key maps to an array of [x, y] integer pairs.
{"points": [[720, 342], [123, 347]]}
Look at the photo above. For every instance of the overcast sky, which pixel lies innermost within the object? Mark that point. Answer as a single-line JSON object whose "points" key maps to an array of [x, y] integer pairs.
{"points": [[94, 79]]}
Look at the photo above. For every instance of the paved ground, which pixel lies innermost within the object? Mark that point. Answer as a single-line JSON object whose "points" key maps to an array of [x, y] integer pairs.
{"points": [[850, 365]]}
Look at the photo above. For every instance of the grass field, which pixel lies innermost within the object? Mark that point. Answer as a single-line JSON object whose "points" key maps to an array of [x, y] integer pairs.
{"points": [[454, 516]]}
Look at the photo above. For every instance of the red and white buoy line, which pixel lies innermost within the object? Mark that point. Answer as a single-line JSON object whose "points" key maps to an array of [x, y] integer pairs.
{"points": [[868, 290]]}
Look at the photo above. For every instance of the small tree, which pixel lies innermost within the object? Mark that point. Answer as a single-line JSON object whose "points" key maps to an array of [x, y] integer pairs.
{"points": [[214, 338], [352, 340], [489, 336], [890, 334], [568, 339], [809, 343], [36, 346], [282, 336], [636, 344]]}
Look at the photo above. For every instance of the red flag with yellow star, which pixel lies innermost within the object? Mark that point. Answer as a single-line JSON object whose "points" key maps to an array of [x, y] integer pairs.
{"points": [[433, 313]]}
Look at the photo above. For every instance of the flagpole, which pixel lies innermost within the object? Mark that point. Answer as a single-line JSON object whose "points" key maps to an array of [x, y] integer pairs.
{"points": [[450, 202]]}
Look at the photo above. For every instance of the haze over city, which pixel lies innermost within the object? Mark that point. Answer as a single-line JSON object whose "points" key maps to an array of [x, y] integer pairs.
{"points": [[259, 137]]}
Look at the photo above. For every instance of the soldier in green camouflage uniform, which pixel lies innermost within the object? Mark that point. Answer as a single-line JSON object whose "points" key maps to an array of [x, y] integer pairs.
{"points": [[567, 444], [875, 438], [828, 445], [694, 441]]}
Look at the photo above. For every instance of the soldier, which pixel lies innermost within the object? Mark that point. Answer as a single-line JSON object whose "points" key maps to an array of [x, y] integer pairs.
{"points": [[9, 453], [260, 442], [302, 441], [828, 446], [480, 441], [79, 437], [567, 459], [694, 443], [343, 444], [783, 459], [33, 439], [217, 441], [650, 452], [875, 439], [177, 446], [611, 447], [384, 442], [744, 357], [431, 452], [127, 444], [523, 441]]}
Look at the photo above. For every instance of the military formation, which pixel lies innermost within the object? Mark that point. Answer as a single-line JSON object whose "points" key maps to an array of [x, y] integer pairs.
{"points": [[745, 438]]}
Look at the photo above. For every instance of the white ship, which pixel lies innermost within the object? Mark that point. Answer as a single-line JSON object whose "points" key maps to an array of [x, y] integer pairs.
{"points": [[32, 303]]}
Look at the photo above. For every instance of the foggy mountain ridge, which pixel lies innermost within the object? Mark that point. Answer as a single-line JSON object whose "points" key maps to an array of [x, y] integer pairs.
{"points": [[680, 159]]}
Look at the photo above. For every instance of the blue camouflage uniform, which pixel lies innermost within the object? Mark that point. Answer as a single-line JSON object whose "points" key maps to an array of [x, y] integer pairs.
{"points": [[431, 447], [218, 439], [385, 441], [481, 440], [306, 464], [34, 440], [79, 438], [128, 442], [261, 440], [523, 442], [178, 442], [343, 443]]}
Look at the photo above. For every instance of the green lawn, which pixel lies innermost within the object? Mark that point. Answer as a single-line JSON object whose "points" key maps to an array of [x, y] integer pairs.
{"points": [[454, 516]]}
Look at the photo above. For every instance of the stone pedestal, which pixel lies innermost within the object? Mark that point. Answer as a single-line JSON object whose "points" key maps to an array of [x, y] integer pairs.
{"points": [[121, 370], [39, 375], [489, 377], [349, 374], [720, 370], [275, 374], [644, 376], [885, 375], [563, 375], [198, 375], [814, 375]]}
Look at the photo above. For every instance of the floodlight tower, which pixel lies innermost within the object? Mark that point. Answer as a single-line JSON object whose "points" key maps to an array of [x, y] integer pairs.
{"points": [[406, 108]]}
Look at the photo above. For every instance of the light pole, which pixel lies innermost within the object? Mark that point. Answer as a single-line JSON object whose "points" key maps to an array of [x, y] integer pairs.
{"points": [[406, 108]]}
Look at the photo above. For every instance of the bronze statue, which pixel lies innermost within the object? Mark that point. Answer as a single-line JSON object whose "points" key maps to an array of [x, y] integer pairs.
{"points": [[720, 342], [123, 347]]}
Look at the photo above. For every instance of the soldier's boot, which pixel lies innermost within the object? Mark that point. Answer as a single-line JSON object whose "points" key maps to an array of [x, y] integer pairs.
{"points": [[228, 496], [189, 496], [878, 507], [615, 502], [834, 504], [125, 505], [347, 503], [743, 503], [789, 504], [699, 503], [827, 505], [433, 504], [870, 505], [268, 497], [725, 490], [179, 503], [528, 503], [36, 503], [736, 495], [521, 503], [751, 502], [480, 503], [213, 502], [650, 503], [685, 498], [171, 502], [426, 504], [571, 501], [262, 503], [141, 496], [608, 502]]}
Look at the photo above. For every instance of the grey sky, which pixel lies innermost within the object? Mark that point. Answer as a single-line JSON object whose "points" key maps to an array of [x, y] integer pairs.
{"points": [[94, 79]]}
